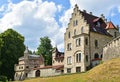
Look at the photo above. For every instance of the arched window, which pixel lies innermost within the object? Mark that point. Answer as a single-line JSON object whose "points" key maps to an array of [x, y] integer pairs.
{"points": [[96, 55], [69, 35], [82, 30], [78, 57], [96, 43], [37, 73]]}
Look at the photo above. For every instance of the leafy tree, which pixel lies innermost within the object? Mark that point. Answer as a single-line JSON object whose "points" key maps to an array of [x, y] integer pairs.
{"points": [[45, 49], [1, 44], [13, 48]]}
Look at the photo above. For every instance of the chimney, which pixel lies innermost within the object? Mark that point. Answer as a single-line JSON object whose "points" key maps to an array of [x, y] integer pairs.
{"points": [[84, 11], [90, 13], [106, 20], [117, 26], [102, 16]]}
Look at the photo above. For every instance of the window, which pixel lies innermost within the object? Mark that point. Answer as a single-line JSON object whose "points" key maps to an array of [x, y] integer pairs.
{"points": [[69, 60], [27, 66], [96, 43], [96, 55], [78, 57], [86, 58], [75, 32], [98, 24], [115, 34], [69, 35], [69, 46], [86, 41], [78, 69], [101, 55], [82, 30], [75, 22], [68, 70], [78, 42]]}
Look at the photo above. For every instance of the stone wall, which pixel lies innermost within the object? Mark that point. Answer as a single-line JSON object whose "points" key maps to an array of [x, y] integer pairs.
{"points": [[112, 49]]}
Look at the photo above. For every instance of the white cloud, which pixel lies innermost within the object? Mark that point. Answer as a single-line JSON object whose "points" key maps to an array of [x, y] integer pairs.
{"points": [[34, 19], [96, 6], [2, 8]]}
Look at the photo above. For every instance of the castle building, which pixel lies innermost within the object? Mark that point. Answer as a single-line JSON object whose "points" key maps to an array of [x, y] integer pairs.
{"points": [[84, 40], [31, 65], [27, 64], [58, 59]]}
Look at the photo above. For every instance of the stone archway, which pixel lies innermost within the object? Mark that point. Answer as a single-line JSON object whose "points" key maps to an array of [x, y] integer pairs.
{"points": [[37, 73]]}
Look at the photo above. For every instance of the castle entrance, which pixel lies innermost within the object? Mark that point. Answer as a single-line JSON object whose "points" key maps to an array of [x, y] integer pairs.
{"points": [[37, 73]]}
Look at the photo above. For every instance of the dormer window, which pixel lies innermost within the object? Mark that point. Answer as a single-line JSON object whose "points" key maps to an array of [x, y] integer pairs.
{"points": [[98, 24]]}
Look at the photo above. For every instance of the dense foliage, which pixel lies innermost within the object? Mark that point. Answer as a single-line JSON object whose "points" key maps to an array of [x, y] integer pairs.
{"points": [[45, 49], [11, 48], [3, 79]]}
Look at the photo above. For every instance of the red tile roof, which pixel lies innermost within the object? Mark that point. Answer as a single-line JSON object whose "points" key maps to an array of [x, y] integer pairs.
{"points": [[58, 67], [110, 25], [96, 59]]}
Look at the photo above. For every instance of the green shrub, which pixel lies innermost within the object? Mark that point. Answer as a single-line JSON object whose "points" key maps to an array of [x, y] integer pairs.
{"points": [[3, 79]]}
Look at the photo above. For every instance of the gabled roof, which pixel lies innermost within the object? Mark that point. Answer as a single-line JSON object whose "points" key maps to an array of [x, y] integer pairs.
{"points": [[110, 25], [92, 22]]}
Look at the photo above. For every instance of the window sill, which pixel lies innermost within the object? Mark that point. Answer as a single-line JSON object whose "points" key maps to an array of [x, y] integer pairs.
{"points": [[69, 64]]}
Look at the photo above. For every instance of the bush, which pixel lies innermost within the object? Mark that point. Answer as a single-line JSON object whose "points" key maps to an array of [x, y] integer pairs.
{"points": [[3, 79]]}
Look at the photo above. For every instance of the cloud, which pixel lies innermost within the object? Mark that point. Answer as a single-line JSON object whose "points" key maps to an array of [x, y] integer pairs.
{"points": [[98, 7], [34, 19]]}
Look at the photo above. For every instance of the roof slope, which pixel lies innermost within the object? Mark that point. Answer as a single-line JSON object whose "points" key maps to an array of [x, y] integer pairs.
{"points": [[110, 25]]}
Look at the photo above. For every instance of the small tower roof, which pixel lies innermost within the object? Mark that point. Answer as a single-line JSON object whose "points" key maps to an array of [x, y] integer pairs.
{"points": [[55, 50], [26, 51], [110, 25]]}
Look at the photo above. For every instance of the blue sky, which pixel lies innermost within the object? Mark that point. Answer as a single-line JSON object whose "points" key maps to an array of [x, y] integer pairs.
{"points": [[39, 18]]}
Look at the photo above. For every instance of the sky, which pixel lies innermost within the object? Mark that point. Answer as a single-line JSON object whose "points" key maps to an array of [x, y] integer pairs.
{"points": [[38, 18]]}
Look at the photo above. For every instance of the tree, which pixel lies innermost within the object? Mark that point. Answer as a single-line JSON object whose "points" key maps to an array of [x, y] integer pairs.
{"points": [[45, 49], [1, 44], [13, 48]]}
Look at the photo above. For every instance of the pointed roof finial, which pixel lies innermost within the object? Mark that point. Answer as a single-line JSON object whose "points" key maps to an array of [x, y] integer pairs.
{"points": [[26, 50]]}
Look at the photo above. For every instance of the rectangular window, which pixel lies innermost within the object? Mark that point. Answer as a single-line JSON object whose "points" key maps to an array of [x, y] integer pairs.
{"points": [[68, 70], [96, 43], [78, 69], [69, 60], [86, 41], [69, 46], [78, 42], [75, 22], [78, 57]]}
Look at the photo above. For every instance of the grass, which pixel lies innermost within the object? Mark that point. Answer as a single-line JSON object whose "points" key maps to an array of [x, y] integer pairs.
{"points": [[106, 72]]}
